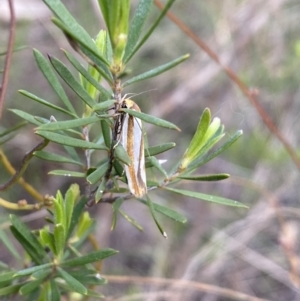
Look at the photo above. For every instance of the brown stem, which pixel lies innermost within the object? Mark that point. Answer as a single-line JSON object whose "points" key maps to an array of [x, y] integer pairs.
{"points": [[8, 58]]}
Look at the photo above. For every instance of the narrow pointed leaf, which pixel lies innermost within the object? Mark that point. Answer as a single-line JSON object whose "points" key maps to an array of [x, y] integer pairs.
{"points": [[10, 289], [136, 26], [198, 139], [55, 158], [48, 240], [149, 32], [68, 124], [100, 189], [178, 217], [157, 165], [46, 103], [55, 293], [90, 258], [87, 75], [49, 74], [207, 197], [68, 77], [72, 282], [151, 119], [13, 128], [198, 162], [6, 276], [104, 105], [152, 210], [65, 140], [158, 149], [98, 174], [122, 155], [75, 29], [26, 246], [115, 207], [70, 199], [28, 236], [67, 173], [106, 132], [156, 71], [32, 270], [33, 284], [131, 220], [7, 242], [213, 177], [30, 118], [59, 238], [76, 215]]}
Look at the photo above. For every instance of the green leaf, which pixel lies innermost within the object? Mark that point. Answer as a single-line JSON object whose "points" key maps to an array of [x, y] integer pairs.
{"points": [[6, 276], [7, 242], [10, 289], [13, 128], [59, 217], [156, 71], [158, 149], [207, 197], [30, 118], [65, 140], [152, 210], [200, 161], [72, 282], [46, 103], [87, 75], [131, 220], [55, 158], [67, 173], [33, 284], [47, 71], [94, 294], [68, 124], [149, 32], [104, 105], [136, 26], [116, 15], [78, 209], [26, 246], [100, 189], [92, 257], [122, 155], [115, 207], [28, 236], [59, 239], [74, 29], [68, 77], [106, 132], [91, 279], [157, 165], [70, 199], [48, 240], [213, 177], [151, 119], [167, 212], [95, 176], [55, 293], [197, 141], [31, 270]]}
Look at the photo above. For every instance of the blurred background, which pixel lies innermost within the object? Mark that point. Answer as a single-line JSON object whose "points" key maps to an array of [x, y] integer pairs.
{"points": [[254, 251]]}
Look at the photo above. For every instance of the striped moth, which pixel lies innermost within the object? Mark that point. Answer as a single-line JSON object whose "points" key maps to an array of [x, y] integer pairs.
{"points": [[132, 140]]}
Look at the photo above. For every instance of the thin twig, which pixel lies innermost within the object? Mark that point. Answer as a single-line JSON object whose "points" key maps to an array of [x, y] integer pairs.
{"points": [[8, 58], [23, 166], [249, 93], [183, 284]]}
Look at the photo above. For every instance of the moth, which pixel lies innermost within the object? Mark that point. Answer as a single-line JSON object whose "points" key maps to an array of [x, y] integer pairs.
{"points": [[132, 139]]}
